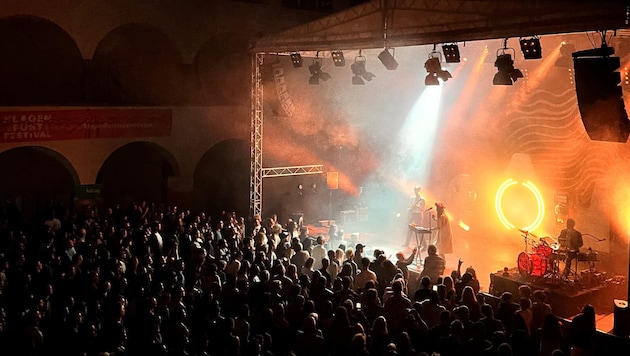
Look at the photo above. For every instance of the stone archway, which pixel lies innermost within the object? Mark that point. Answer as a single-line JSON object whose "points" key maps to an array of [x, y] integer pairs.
{"points": [[135, 172], [35, 180], [221, 179]]}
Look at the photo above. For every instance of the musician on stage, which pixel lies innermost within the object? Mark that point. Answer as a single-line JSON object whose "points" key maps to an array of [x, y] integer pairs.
{"points": [[571, 239], [444, 237], [415, 214]]}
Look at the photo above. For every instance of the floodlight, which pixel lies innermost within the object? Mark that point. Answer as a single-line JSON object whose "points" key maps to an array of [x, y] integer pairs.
{"points": [[451, 53], [531, 48], [296, 58], [338, 59]]}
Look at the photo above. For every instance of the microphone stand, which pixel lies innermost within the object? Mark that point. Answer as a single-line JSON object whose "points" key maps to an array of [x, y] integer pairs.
{"points": [[429, 239], [594, 237]]}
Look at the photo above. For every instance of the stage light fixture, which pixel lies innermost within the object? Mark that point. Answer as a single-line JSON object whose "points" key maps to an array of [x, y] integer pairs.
{"points": [[316, 72], [531, 48], [506, 73], [360, 74], [296, 58], [338, 59], [451, 53], [388, 59], [434, 69]]}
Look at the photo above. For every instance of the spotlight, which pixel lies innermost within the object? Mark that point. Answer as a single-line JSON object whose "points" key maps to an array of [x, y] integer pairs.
{"points": [[316, 72], [388, 59], [338, 58], [296, 58], [506, 73], [434, 69], [531, 48], [451, 53], [358, 69]]}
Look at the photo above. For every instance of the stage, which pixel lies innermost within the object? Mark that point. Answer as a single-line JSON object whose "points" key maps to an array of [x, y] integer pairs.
{"points": [[566, 297]]}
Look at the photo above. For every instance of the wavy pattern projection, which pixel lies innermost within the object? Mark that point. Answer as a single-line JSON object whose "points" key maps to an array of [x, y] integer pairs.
{"points": [[548, 127]]}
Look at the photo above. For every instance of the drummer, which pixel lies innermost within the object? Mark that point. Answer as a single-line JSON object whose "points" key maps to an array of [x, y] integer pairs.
{"points": [[571, 239]]}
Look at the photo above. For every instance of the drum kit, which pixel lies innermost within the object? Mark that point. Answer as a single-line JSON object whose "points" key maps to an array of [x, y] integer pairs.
{"points": [[543, 260]]}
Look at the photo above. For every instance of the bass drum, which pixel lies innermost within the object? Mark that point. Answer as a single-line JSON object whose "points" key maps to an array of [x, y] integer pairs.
{"points": [[531, 264]]}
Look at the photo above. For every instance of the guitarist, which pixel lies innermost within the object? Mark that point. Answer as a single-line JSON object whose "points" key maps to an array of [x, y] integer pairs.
{"points": [[415, 213]]}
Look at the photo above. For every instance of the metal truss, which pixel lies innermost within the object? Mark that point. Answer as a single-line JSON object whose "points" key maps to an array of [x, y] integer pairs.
{"points": [[256, 132], [257, 172], [398, 23], [292, 171]]}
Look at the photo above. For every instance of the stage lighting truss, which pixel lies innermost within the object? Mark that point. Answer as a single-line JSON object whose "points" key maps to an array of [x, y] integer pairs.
{"points": [[531, 48], [360, 74], [316, 71], [433, 65], [506, 73], [296, 59], [338, 58], [451, 53]]}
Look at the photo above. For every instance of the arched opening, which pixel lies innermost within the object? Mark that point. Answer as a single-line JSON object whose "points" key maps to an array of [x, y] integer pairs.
{"points": [[44, 66], [35, 181], [138, 64], [135, 172], [221, 179]]}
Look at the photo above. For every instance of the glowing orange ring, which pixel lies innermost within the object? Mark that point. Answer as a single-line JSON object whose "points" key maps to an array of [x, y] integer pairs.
{"points": [[539, 200]]}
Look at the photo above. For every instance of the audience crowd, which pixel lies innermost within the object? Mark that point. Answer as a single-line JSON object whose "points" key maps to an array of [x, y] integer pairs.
{"points": [[157, 280]]}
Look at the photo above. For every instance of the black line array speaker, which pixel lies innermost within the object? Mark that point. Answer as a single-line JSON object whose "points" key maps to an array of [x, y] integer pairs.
{"points": [[600, 96]]}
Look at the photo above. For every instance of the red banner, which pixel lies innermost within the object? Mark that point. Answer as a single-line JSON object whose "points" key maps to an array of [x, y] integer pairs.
{"points": [[52, 125]]}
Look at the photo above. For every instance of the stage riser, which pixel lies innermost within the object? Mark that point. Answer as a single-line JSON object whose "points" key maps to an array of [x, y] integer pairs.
{"points": [[566, 299]]}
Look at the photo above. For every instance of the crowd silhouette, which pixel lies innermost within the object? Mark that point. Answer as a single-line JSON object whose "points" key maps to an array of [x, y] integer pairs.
{"points": [[157, 280]]}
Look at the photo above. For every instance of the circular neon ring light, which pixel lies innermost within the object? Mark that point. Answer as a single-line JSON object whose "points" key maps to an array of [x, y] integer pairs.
{"points": [[539, 201]]}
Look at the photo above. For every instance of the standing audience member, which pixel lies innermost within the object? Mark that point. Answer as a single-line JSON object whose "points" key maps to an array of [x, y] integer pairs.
{"points": [[506, 312], [318, 252], [396, 309], [104, 284], [402, 263], [582, 332], [434, 265], [540, 308], [549, 335], [364, 276]]}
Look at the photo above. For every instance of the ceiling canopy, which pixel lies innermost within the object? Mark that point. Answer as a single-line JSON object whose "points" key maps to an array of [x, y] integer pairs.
{"points": [[397, 23]]}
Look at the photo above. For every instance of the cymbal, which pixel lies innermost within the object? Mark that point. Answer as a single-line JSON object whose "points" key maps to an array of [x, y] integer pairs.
{"points": [[527, 232]]}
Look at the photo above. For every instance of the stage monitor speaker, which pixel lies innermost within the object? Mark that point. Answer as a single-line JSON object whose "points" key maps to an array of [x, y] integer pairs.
{"points": [[600, 98], [621, 323]]}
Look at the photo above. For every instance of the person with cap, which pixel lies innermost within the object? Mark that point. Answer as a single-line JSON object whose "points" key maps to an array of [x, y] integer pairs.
{"points": [[358, 253]]}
